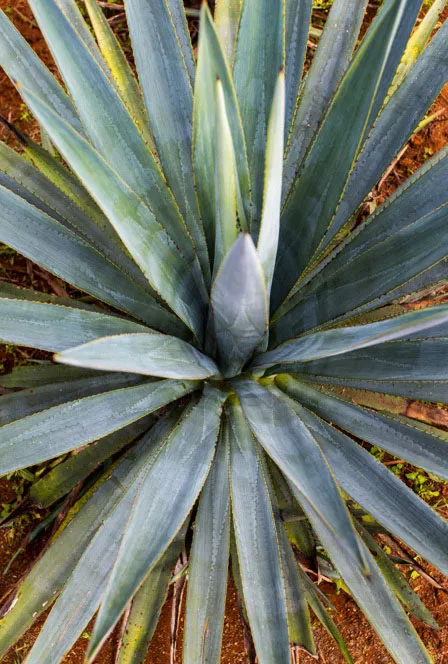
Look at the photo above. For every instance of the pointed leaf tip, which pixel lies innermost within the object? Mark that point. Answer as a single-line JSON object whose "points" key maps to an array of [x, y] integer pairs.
{"points": [[239, 304]]}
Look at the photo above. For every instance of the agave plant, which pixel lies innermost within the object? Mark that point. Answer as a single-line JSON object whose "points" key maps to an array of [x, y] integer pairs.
{"points": [[201, 396]]}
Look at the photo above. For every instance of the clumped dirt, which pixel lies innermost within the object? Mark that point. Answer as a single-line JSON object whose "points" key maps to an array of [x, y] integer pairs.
{"points": [[362, 642]]}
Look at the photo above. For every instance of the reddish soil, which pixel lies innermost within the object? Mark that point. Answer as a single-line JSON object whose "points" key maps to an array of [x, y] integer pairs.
{"points": [[362, 642]]}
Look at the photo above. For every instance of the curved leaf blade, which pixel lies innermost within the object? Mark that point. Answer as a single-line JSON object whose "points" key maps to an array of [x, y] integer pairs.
{"points": [[310, 209], [54, 327], [239, 305], [43, 435], [51, 571], [212, 65], [257, 543], [164, 77], [150, 354], [159, 512], [209, 561], [175, 277], [259, 56], [270, 218], [227, 18], [401, 438], [396, 124], [332, 56], [289, 443], [22, 64], [330, 343], [58, 250], [225, 185]]}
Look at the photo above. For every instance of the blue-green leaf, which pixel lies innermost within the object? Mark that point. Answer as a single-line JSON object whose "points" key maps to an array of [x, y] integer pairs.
{"points": [[375, 277], [61, 479], [381, 493], [58, 250], [81, 595], [342, 340], [239, 304], [22, 403], [417, 43], [422, 360], [259, 56], [209, 562], [378, 490], [21, 177], [74, 17], [179, 18], [151, 354], [290, 444], [43, 435], [49, 574], [159, 511], [83, 590], [147, 605], [227, 18], [402, 438], [311, 207], [378, 603], [120, 69], [397, 50], [69, 184], [212, 65], [175, 276], [257, 543], [168, 94], [225, 183], [396, 124], [43, 373], [110, 127], [297, 20], [22, 64], [422, 193], [55, 328], [427, 390], [332, 56], [270, 218]]}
